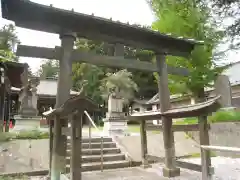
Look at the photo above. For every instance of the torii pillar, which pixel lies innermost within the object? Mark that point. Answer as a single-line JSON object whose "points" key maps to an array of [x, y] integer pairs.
{"points": [[170, 169], [58, 165]]}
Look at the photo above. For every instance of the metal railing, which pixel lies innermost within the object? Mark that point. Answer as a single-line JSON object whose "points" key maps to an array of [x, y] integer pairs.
{"points": [[90, 124]]}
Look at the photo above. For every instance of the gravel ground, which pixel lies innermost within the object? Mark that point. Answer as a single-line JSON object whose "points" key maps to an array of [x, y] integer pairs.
{"points": [[225, 169]]}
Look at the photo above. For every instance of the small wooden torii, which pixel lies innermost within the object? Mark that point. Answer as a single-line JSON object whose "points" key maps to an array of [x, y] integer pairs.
{"points": [[63, 22]]}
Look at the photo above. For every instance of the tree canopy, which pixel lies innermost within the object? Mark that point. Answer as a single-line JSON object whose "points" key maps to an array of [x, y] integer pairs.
{"points": [[48, 69], [8, 40], [229, 10], [186, 18]]}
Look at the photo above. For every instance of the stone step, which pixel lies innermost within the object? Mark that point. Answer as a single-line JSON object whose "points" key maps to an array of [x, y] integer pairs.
{"points": [[96, 145], [97, 158], [97, 151], [106, 165], [94, 139]]}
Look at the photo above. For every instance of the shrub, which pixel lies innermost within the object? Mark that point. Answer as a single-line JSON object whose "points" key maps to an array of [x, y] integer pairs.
{"points": [[223, 116], [219, 116], [18, 177], [6, 137], [33, 134], [25, 134]]}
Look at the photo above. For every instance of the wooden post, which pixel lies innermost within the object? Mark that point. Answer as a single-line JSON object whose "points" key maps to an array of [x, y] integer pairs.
{"points": [[50, 144], [170, 169], [119, 50], [56, 163], [205, 154], [63, 93], [78, 146], [144, 149], [2, 108], [7, 111], [75, 169], [204, 138]]}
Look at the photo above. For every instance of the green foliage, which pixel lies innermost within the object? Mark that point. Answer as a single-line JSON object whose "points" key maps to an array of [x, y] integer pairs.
{"points": [[33, 134], [8, 40], [219, 116], [5, 137], [225, 116], [25, 134], [121, 83], [96, 75], [18, 177], [228, 10], [184, 18], [49, 69]]}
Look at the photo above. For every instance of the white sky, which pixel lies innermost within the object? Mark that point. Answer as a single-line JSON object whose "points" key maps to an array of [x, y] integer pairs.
{"points": [[133, 11]]}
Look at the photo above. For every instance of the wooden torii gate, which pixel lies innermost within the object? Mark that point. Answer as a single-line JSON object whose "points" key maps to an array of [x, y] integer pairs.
{"points": [[69, 25]]}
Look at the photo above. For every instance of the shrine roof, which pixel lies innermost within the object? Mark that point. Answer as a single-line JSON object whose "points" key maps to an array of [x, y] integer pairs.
{"points": [[55, 20], [76, 103], [49, 88], [180, 112], [13, 72]]}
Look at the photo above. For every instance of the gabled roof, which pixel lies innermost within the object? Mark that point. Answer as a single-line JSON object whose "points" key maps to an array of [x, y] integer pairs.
{"points": [[76, 103]]}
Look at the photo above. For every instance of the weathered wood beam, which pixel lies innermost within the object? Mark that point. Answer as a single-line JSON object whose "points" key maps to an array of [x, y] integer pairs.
{"points": [[75, 170], [63, 94], [176, 128], [144, 149], [221, 148], [170, 170], [100, 60], [50, 144], [179, 163], [204, 140], [37, 52]]}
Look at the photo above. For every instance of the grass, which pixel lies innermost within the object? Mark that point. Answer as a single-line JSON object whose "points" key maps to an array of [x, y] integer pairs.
{"points": [[220, 116], [33, 134], [132, 128], [19, 177], [198, 155]]}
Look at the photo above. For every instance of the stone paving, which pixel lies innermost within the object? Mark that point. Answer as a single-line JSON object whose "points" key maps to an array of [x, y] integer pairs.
{"points": [[225, 169]]}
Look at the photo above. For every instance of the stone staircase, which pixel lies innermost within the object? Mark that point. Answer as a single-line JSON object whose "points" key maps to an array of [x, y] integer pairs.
{"points": [[91, 157]]}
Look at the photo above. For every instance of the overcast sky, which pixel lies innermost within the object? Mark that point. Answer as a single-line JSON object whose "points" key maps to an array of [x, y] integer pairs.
{"points": [[133, 11]]}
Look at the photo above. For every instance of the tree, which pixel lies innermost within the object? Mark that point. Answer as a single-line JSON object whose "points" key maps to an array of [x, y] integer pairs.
{"points": [[229, 10], [94, 74], [49, 69], [188, 19], [121, 83], [8, 40]]}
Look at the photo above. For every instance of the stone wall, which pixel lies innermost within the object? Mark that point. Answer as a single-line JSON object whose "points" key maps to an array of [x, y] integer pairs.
{"points": [[223, 134]]}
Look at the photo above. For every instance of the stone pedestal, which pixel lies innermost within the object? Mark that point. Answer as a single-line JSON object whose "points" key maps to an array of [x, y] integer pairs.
{"points": [[115, 124], [26, 123]]}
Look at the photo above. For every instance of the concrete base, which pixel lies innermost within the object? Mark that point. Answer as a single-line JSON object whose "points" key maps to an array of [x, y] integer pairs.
{"points": [[112, 128], [171, 172], [26, 123], [146, 165]]}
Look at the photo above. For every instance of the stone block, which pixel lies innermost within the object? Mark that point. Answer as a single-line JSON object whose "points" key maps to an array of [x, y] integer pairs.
{"points": [[171, 172]]}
